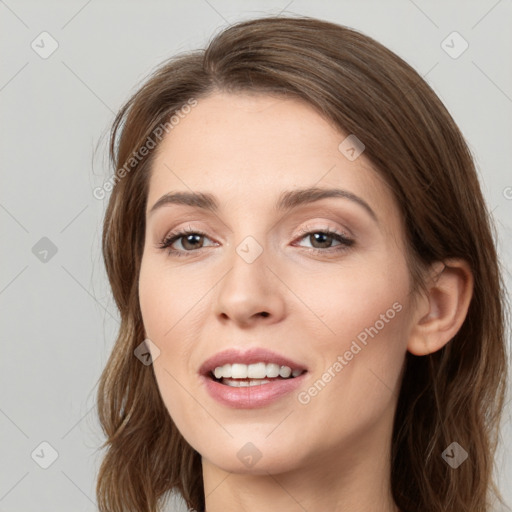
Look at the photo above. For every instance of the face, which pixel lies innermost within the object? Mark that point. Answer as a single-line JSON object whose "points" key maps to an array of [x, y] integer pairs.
{"points": [[316, 281]]}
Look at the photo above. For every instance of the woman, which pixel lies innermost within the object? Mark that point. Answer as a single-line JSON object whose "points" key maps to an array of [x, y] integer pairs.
{"points": [[298, 243]]}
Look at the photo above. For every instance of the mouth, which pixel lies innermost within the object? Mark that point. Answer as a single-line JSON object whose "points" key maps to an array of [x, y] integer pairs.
{"points": [[251, 378], [256, 374], [253, 367]]}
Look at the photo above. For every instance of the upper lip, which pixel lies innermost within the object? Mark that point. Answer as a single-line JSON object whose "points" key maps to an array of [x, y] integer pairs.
{"points": [[251, 356]]}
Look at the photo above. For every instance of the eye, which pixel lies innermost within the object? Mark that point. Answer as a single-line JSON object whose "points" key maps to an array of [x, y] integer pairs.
{"points": [[190, 240], [322, 240]]}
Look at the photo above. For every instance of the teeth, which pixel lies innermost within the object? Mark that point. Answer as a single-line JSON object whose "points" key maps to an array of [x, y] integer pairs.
{"points": [[257, 371], [285, 372], [239, 371], [272, 370], [218, 372], [254, 371]]}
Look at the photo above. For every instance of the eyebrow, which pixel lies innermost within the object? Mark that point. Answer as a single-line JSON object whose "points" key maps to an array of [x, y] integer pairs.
{"points": [[288, 200]]}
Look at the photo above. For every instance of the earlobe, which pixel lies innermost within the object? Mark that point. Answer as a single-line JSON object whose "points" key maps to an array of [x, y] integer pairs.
{"points": [[441, 312]]}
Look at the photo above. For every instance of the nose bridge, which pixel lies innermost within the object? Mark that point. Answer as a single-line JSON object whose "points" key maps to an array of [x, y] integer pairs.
{"points": [[249, 243]]}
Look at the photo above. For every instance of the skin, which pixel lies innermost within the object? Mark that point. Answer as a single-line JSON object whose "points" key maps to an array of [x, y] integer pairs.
{"points": [[332, 453]]}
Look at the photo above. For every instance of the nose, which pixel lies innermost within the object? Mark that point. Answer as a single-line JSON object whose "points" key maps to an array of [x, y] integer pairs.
{"points": [[250, 292]]}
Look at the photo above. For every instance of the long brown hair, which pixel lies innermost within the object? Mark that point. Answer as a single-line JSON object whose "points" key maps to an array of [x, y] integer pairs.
{"points": [[456, 394]]}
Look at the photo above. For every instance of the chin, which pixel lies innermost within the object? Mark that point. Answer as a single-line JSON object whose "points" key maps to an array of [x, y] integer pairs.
{"points": [[254, 458]]}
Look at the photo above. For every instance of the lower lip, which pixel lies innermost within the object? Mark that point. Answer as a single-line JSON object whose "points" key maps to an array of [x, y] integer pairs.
{"points": [[251, 397]]}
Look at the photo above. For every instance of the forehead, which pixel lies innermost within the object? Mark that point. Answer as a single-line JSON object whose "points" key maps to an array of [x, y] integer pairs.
{"points": [[248, 148]]}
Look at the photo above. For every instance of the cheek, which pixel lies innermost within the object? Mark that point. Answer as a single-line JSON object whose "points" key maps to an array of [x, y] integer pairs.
{"points": [[168, 316], [167, 299], [365, 315], [363, 298], [357, 376], [361, 341], [150, 301]]}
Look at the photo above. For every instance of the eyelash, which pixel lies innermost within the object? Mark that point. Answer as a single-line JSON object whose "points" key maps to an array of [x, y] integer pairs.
{"points": [[345, 242]]}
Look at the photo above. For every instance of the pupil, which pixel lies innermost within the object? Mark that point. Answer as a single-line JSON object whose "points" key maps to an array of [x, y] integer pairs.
{"points": [[189, 239], [321, 235]]}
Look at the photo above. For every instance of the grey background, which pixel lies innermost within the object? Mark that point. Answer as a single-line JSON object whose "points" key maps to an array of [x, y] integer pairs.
{"points": [[58, 318]]}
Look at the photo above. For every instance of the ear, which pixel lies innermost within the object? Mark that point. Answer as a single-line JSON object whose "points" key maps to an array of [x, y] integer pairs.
{"points": [[441, 312]]}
